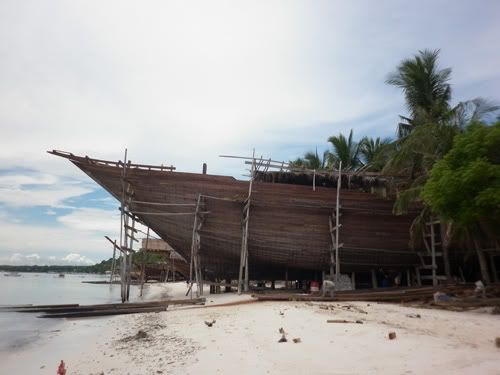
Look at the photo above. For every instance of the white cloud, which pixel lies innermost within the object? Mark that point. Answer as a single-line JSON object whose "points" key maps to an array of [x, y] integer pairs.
{"points": [[77, 259], [92, 219], [40, 260], [188, 82], [81, 232], [32, 188]]}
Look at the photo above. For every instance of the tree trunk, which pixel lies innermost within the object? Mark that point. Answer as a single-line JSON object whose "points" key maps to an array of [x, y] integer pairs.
{"points": [[482, 262], [445, 244]]}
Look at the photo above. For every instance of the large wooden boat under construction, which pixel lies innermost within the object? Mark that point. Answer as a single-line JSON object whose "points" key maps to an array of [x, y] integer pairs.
{"points": [[289, 226]]}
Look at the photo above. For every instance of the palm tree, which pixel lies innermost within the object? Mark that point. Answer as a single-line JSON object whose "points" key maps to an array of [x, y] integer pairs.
{"points": [[345, 150], [311, 160], [375, 152], [426, 89], [470, 111]]}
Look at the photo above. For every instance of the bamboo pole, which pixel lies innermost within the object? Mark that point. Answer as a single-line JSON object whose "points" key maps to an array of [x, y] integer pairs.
{"points": [[113, 265], [337, 227], [129, 268], [433, 253], [143, 270], [195, 244], [122, 223], [243, 273]]}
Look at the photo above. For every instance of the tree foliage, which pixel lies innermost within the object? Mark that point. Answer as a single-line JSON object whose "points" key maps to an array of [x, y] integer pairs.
{"points": [[464, 187], [375, 152], [425, 87], [344, 150], [310, 160]]}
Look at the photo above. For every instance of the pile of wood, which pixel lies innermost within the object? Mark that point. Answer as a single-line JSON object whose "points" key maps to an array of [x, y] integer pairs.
{"points": [[81, 311], [463, 294]]}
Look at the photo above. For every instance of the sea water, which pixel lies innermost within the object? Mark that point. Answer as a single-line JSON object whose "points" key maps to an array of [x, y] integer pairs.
{"points": [[19, 330]]}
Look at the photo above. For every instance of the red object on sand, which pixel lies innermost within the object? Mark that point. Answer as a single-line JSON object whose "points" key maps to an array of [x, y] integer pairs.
{"points": [[61, 370]]}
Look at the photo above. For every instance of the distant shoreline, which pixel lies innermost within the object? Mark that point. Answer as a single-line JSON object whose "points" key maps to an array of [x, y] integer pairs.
{"points": [[55, 269]]}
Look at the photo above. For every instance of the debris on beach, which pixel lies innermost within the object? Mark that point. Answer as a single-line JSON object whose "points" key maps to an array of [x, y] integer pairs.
{"points": [[392, 335], [296, 340], [344, 321], [283, 335], [210, 324], [413, 315], [140, 335], [497, 342], [441, 297]]}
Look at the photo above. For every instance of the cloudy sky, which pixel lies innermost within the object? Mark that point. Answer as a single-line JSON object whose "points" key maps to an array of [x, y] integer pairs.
{"points": [[180, 84]]}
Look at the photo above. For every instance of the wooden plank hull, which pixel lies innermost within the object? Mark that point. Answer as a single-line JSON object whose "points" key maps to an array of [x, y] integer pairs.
{"points": [[288, 227]]}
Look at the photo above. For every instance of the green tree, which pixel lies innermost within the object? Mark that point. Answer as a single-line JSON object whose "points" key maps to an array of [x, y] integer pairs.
{"points": [[345, 150], [464, 187], [427, 135]]}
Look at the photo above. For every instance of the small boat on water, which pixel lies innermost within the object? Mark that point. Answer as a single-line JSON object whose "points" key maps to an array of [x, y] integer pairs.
{"points": [[61, 275], [15, 274]]}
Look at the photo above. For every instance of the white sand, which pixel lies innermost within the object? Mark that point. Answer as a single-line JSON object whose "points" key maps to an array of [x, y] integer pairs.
{"points": [[244, 340]]}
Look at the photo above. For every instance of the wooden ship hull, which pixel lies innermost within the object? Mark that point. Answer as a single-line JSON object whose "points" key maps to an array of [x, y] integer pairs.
{"points": [[289, 225]]}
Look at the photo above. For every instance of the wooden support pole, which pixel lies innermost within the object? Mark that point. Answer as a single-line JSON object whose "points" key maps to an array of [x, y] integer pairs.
{"points": [[332, 249], [200, 275], [129, 267], [374, 279], [246, 283], [113, 265], [243, 277], [337, 226], [408, 277], [482, 262], [123, 218], [417, 274], [143, 268], [433, 254], [445, 244], [493, 268], [195, 248], [353, 280]]}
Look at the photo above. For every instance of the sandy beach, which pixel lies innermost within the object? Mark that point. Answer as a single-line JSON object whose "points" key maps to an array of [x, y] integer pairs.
{"points": [[244, 340]]}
